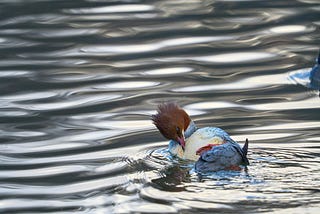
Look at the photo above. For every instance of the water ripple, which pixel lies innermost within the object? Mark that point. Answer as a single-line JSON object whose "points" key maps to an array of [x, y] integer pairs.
{"points": [[145, 47], [237, 57], [129, 8], [80, 80], [290, 29], [128, 85], [168, 71], [73, 188], [42, 172], [255, 83]]}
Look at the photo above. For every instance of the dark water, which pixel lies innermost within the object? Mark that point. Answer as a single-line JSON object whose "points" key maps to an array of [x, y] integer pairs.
{"points": [[80, 79]]}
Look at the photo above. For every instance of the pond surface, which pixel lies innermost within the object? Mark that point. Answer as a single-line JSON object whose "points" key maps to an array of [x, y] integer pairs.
{"points": [[80, 79]]}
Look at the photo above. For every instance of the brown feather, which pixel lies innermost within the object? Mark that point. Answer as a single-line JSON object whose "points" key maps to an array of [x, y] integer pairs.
{"points": [[169, 117]]}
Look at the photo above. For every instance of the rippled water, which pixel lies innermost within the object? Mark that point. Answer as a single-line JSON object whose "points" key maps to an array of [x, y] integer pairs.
{"points": [[80, 79]]}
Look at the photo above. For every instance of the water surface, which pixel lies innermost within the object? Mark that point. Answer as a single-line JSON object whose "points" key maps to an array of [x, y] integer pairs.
{"points": [[80, 79]]}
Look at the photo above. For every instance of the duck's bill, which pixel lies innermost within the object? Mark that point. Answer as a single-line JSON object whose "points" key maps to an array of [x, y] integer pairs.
{"points": [[182, 142]]}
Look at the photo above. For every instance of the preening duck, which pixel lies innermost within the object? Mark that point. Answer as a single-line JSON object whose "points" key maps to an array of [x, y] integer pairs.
{"points": [[211, 147]]}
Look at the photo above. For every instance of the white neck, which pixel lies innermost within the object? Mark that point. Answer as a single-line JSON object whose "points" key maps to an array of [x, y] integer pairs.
{"points": [[175, 147]]}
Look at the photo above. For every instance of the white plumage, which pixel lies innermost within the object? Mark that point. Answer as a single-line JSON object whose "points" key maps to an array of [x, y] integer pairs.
{"points": [[197, 140]]}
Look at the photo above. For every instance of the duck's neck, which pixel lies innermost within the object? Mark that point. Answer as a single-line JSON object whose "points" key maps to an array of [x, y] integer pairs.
{"points": [[175, 148], [190, 130]]}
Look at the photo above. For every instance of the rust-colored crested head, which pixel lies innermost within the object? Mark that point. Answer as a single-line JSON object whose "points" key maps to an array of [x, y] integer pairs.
{"points": [[172, 121]]}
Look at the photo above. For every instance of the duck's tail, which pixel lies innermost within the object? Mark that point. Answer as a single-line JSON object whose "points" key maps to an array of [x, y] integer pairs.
{"points": [[245, 147]]}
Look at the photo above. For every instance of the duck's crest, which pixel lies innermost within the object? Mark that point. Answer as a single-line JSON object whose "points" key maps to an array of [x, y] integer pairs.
{"points": [[168, 107], [164, 111]]}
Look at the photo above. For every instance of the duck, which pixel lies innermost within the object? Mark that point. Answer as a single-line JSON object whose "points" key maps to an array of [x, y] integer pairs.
{"points": [[315, 74], [211, 148]]}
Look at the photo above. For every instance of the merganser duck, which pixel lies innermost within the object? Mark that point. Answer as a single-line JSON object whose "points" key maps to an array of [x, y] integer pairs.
{"points": [[315, 74], [211, 147]]}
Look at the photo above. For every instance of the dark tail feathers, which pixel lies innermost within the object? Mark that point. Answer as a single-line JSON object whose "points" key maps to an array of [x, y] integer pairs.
{"points": [[245, 147]]}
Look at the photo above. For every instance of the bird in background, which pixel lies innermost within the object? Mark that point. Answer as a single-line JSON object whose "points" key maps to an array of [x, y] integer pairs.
{"points": [[211, 147], [315, 74]]}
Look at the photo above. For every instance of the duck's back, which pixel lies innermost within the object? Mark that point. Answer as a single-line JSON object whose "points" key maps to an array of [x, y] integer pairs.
{"points": [[220, 157], [203, 137]]}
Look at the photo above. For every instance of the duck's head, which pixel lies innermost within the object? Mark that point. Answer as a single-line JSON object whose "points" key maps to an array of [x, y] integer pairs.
{"points": [[172, 121]]}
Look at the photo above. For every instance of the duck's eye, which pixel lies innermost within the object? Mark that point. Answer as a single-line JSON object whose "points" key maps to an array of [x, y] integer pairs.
{"points": [[178, 130]]}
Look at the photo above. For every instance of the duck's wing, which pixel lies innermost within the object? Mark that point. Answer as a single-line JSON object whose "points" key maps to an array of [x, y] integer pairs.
{"points": [[230, 152], [220, 157], [242, 151]]}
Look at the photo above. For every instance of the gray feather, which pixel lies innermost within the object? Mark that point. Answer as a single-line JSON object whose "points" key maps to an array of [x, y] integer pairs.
{"points": [[223, 156]]}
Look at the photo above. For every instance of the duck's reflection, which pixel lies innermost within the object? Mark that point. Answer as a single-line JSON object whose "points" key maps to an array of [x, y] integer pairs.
{"points": [[172, 178]]}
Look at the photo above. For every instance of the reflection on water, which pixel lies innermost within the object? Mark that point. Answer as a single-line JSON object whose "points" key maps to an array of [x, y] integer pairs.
{"points": [[80, 79]]}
